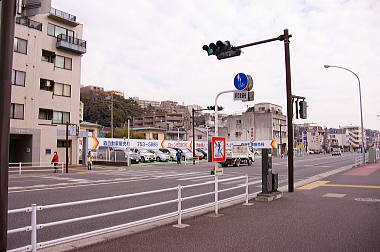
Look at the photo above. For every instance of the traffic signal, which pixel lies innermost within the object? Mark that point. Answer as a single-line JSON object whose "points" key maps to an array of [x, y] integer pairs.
{"points": [[303, 109], [221, 50], [213, 108]]}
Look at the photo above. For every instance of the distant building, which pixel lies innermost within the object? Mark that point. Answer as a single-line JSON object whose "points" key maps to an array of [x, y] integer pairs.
{"points": [[92, 129], [354, 136], [90, 88], [113, 92], [151, 133], [146, 103]]}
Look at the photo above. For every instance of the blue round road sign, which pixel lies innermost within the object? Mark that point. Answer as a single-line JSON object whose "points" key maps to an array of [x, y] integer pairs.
{"points": [[241, 81]]}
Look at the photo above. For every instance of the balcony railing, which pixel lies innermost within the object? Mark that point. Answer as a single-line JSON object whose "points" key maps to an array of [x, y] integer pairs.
{"points": [[72, 44], [63, 14], [29, 23]]}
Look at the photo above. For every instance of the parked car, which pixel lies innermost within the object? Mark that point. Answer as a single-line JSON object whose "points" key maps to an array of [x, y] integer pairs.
{"points": [[115, 154], [203, 151], [145, 155], [171, 152], [197, 154], [160, 156]]}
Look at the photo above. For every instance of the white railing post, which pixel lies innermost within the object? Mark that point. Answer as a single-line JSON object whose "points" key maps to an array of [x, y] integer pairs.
{"points": [[19, 168], [62, 167], [33, 221], [179, 205], [216, 193], [247, 192]]}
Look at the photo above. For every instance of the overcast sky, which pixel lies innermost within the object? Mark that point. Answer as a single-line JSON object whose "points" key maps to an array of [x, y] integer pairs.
{"points": [[153, 50]]}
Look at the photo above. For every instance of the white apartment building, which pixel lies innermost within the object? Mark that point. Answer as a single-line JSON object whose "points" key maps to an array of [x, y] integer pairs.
{"points": [[45, 86], [354, 136], [145, 103]]}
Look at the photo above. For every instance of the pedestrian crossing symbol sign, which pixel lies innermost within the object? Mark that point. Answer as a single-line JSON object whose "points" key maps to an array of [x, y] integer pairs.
{"points": [[218, 149]]}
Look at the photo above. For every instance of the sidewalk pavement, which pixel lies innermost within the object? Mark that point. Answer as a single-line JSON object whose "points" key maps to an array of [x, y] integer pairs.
{"points": [[340, 213]]}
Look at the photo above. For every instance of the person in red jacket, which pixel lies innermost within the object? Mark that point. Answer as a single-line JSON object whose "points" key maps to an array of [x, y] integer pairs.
{"points": [[55, 162]]}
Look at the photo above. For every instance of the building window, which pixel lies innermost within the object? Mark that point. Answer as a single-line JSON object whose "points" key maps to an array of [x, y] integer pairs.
{"points": [[62, 143], [63, 62], [61, 117], [237, 134], [17, 111], [47, 85], [20, 45], [238, 121], [55, 30], [45, 114], [62, 89], [261, 108], [18, 78], [199, 137], [155, 136], [48, 56]]}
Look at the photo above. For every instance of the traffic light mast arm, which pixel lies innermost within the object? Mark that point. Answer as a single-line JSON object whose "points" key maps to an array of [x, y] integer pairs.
{"points": [[281, 38]]}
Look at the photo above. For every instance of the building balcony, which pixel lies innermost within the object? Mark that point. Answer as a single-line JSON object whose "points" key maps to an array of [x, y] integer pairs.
{"points": [[63, 17], [29, 23], [71, 44]]}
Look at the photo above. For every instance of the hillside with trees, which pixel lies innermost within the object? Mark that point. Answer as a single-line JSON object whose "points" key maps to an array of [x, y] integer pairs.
{"points": [[97, 108]]}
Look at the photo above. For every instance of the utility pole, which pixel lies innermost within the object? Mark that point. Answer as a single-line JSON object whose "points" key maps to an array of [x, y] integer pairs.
{"points": [[67, 147], [8, 12], [193, 114], [111, 115]]}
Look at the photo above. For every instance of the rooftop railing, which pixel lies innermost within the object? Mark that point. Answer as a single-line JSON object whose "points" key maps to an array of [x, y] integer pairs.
{"points": [[63, 14]]}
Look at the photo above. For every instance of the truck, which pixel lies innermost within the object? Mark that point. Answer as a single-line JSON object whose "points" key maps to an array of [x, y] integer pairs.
{"points": [[237, 155]]}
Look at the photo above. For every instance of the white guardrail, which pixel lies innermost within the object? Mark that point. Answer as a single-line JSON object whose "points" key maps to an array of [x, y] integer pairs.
{"points": [[359, 159], [29, 167], [34, 226]]}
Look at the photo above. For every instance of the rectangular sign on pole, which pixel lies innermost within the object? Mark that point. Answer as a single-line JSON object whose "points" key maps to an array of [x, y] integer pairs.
{"points": [[218, 149], [243, 95]]}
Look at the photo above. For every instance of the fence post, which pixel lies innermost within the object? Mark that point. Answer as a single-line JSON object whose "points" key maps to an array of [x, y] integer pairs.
{"points": [[247, 192], [179, 205], [179, 198], [33, 222], [216, 193], [62, 167], [19, 168]]}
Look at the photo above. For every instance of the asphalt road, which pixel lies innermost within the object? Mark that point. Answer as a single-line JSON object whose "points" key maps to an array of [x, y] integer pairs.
{"points": [[48, 189]]}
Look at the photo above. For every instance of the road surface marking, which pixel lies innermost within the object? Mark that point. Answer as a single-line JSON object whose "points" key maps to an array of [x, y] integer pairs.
{"points": [[313, 185], [334, 195], [354, 186]]}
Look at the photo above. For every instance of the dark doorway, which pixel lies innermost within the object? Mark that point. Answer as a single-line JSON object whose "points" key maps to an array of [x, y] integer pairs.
{"points": [[20, 148]]}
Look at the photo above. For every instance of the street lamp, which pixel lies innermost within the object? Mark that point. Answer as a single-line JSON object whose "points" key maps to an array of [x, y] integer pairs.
{"points": [[361, 110]]}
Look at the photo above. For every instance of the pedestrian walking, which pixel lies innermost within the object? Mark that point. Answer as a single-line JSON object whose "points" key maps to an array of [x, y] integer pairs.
{"points": [[54, 161], [90, 158], [179, 155]]}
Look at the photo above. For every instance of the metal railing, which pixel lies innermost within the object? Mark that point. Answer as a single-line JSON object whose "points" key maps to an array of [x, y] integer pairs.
{"points": [[29, 23], [21, 167], [63, 14], [34, 226], [71, 40], [359, 159]]}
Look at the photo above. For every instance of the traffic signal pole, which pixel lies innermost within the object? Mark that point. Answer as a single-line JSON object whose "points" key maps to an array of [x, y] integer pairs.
{"points": [[223, 52], [216, 121], [8, 12]]}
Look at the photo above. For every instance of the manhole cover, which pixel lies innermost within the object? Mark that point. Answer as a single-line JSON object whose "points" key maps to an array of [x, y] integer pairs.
{"points": [[367, 199]]}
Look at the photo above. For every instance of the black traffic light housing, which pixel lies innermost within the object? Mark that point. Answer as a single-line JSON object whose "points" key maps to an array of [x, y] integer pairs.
{"points": [[303, 109], [213, 108], [221, 49]]}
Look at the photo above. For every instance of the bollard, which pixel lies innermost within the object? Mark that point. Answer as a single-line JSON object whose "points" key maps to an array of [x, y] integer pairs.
{"points": [[19, 168], [33, 221], [63, 165]]}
